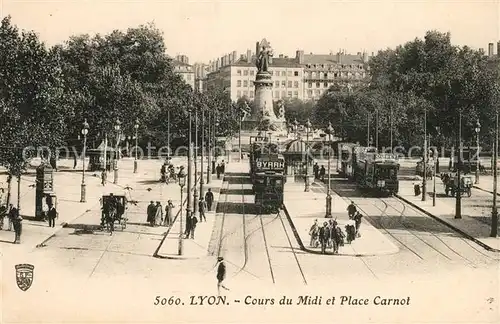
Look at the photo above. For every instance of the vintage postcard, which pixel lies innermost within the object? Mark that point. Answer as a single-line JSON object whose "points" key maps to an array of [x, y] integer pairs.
{"points": [[281, 161]]}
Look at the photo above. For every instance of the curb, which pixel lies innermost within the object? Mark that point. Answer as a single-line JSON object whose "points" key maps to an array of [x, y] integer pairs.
{"points": [[305, 249], [468, 236], [484, 190], [165, 235]]}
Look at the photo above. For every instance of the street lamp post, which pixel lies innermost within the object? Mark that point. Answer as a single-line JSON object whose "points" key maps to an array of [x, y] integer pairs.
{"points": [[458, 202], [182, 182], [117, 130], [209, 140], [195, 189], [240, 115], [136, 127], [189, 167], [477, 129], [168, 136], [329, 131], [424, 178], [307, 185], [85, 130], [494, 211], [202, 150]]}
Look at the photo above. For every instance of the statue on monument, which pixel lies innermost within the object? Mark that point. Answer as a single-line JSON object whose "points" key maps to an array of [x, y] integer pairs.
{"points": [[265, 54]]}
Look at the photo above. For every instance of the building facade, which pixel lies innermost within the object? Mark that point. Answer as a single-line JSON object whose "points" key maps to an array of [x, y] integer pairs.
{"points": [[184, 69], [304, 77]]}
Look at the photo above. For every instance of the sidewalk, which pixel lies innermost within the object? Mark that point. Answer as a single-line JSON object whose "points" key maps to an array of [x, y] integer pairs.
{"points": [[303, 208], [197, 247], [469, 225]]}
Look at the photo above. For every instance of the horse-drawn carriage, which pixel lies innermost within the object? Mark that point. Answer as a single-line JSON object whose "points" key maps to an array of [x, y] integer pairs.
{"points": [[113, 211], [451, 185]]}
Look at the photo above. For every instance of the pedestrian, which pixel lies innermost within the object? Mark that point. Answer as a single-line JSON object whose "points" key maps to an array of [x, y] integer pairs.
{"points": [[222, 167], [188, 226], [158, 214], [202, 206], [193, 223], [218, 169], [3, 213], [17, 223], [151, 213], [221, 274], [322, 173], [314, 233], [168, 213], [209, 198], [10, 216], [316, 170], [357, 222], [75, 161], [351, 210], [324, 235], [52, 214], [104, 177]]}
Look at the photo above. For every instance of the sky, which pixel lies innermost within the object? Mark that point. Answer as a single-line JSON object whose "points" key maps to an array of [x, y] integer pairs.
{"points": [[204, 30]]}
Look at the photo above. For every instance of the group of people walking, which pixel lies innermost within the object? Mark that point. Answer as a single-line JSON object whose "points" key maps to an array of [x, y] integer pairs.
{"points": [[330, 234], [14, 220], [220, 169], [157, 217], [319, 173]]}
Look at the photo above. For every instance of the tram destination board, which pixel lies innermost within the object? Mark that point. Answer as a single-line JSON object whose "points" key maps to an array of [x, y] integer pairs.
{"points": [[267, 165]]}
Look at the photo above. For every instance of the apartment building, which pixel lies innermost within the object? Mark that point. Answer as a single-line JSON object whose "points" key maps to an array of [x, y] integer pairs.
{"points": [[184, 69]]}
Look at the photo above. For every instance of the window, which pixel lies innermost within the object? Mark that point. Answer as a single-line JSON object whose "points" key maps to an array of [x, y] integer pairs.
{"points": [[296, 94], [283, 73], [335, 75], [272, 72], [238, 72], [251, 72], [277, 84], [326, 76], [296, 84], [245, 93], [245, 83], [289, 73], [238, 83], [317, 85], [289, 94], [189, 77], [251, 94], [283, 94], [313, 75], [245, 72], [296, 73], [290, 83], [276, 94], [238, 93], [283, 84], [310, 85], [309, 93], [325, 84], [318, 93]]}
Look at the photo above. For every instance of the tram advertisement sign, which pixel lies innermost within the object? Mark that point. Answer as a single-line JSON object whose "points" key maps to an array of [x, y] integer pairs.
{"points": [[269, 165]]}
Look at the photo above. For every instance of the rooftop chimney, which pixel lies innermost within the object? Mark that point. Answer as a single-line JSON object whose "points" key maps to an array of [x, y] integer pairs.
{"points": [[299, 56], [490, 49], [281, 55], [235, 56], [230, 58], [365, 57], [249, 56], [339, 57]]}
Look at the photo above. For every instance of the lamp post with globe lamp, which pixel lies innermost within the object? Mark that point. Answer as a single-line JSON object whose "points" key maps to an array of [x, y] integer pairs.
{"points": [[181, 176], [307, 184], [85, 130], [329, 131], [477, 129], [115, 167], [136, 128]]}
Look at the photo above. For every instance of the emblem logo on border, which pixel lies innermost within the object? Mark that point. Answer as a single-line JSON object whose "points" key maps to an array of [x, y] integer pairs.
{"points": [[24, 276]]}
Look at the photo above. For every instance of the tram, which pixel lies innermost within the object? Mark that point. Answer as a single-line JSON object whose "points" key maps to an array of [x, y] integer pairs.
{"points": [[377, 173], [267, 171]]}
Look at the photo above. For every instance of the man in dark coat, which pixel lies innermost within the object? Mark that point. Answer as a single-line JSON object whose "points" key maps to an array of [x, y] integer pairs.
{"points": [[223, 167], [209, 198], [219, 170], [324, 236], [17, 223], [151, 211], [192, 225], [322, 173], [316, 171], [202, 206], [351, 210], [188, 225], [221, 274], [357, 221], [52, 214]]}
